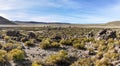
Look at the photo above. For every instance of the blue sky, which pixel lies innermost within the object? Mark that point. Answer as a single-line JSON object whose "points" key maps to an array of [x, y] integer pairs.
{"points": [[70, 11]]}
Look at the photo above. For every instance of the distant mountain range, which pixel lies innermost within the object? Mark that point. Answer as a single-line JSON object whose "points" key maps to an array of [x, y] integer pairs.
{"points": [[34, 22], [4, 21]]}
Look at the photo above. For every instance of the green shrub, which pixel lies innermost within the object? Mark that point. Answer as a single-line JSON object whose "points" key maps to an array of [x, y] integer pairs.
{"points": [[9, 46], [112, 56], [16, 54], [103, 62], [55, 44], [79, 45], [83, 62], [45, 44], [36, 63], [66, 42], [2, 55], [29, 43], [6, 38], [61, 57]]}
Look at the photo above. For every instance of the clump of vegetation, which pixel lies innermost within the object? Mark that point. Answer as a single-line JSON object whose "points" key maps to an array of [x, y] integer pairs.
{"points": [[66, 42], [60, 58], [36, 63], [2, 55], [84, 62], [16, 55], [6, 38], [79, 45], [55, 44], [47, 43], [9, 46], [103, 62], [30, 43], [113, 56]]}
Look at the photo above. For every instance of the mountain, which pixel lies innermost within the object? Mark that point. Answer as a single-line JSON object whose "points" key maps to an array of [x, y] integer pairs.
{"points": [[113, 23], [34, 22], [4, 21]]}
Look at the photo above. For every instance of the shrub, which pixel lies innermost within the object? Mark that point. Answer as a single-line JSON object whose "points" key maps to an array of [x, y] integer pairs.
{"points": [[9, 46], [112, 56], [99, 55], [6, 38], [91, 51], [55, 44], [1, 45], [2, 55], [79, 45], [103, 62], [29, 43], [11, 41], [66, 42], [103, 48], [16, 54], [83, 62], [36, 63], [60, 58], [45, 44]]}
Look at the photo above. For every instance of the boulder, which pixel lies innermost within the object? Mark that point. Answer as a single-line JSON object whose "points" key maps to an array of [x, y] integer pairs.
{"points": [[13, 33], [56, 38], [31, 35], [106, 34], [90, 34]]}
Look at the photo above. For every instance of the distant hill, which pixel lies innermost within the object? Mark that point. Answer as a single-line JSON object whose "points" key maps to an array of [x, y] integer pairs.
{"points": [[113, 23], [4, 21], [34, 22]]}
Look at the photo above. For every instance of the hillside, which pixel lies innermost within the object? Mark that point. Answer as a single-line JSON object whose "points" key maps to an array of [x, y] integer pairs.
{"points": [[114, 23], [4, 21]]}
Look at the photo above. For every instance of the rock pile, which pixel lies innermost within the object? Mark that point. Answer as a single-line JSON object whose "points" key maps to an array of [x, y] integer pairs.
{"points": [[13, 33], [106, 34]]}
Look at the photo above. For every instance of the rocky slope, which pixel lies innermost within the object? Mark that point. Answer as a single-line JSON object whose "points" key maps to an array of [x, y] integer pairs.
{"points": [[4, 21]]}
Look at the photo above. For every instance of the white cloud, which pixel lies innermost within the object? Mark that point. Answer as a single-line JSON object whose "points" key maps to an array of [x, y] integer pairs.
{"points": [[102, 15]]}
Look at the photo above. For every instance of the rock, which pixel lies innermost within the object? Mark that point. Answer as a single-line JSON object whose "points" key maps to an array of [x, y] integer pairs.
{"points": [[106, 34], [13, 33], [56, 38], [90, 34], [31, 34], [101, 32]]}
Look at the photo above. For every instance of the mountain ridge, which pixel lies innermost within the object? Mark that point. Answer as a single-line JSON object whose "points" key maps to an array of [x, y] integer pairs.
{"points": [[4, 21]]}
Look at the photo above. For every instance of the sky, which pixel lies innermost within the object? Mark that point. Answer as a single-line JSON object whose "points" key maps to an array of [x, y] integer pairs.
{"points": [[68, 11]]}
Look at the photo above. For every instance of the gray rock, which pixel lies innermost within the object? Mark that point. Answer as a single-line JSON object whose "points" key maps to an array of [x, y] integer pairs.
{"points": [[106, 34]]}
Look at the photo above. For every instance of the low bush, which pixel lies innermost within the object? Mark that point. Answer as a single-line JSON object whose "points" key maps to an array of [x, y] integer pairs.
{"points": [[36, 63], [66, 42], [57, 59], [79, 45], [2, 55], [45, 44], [103, 62], [83, 62], [9, 46], [16, 55], [55, 45]]}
